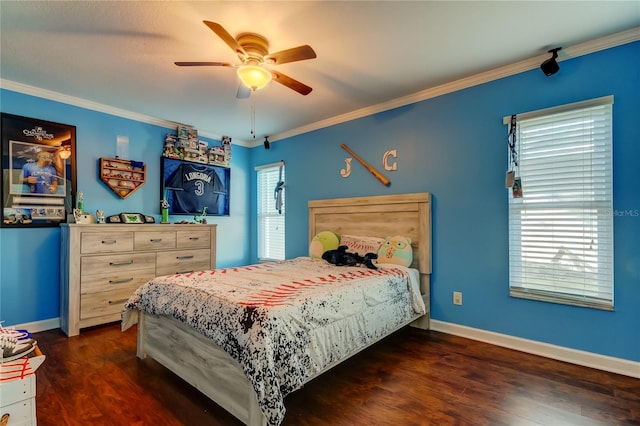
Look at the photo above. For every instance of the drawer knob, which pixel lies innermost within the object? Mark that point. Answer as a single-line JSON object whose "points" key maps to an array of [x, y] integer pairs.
{"points": [[117, 302], [125, 262], [155, 240], [126, 280], [184, 272], [109, 241], [194, 238], [184, 257]]}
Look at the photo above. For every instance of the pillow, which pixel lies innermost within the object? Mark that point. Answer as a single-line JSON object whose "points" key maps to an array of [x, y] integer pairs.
{"points": [[323, 241], [396, 250], [361, 245]]}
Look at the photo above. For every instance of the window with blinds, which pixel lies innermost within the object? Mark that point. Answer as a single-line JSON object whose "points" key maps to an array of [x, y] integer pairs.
{"points": [[561, 229], [270, 220]]}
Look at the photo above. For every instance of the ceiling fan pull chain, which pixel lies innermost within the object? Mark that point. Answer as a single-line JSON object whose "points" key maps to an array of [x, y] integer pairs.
{"points": [[253, 118]]}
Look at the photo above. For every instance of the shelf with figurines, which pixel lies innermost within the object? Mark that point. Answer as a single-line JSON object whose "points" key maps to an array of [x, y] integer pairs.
{"points": [[186, 146], [123, 177]]}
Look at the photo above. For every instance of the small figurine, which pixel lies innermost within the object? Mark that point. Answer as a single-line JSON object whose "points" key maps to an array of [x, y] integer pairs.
{"points": [[164, 206], [77, 215], [82, 218], [80, 202], [201, 217], [100, 216]]}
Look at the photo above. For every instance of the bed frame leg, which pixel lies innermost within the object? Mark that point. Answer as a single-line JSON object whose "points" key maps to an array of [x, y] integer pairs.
{"points": [[142, 350], [422, 322]]}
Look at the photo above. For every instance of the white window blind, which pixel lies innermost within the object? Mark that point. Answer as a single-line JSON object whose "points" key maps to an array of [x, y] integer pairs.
{"points": [[270, 221], [561, 230]]}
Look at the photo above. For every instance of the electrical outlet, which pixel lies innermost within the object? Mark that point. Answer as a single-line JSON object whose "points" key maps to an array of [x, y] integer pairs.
{"points": [[457, 298]]}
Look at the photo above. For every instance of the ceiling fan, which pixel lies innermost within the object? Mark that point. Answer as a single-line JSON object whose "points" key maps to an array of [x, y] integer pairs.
{"points": [[253, 51]]}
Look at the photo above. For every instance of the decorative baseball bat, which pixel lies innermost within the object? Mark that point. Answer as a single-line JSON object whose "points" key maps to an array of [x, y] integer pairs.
{"points": [[368, 166]]}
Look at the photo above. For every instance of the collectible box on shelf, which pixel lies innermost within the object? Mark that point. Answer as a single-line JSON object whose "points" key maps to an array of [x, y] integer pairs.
{"points": [[171, 147], [183, 132], [196, 150]]}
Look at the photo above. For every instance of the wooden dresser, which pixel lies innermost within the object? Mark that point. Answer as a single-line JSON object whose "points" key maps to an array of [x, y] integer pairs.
{"points": [[103, 264]]}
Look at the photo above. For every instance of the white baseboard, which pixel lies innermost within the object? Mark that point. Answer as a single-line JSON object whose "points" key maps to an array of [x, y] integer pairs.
{"points": [[38, 326], [587, 359]]}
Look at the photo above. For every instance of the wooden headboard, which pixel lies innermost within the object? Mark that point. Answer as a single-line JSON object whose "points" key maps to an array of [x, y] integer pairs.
{"points": [[381, 216]]}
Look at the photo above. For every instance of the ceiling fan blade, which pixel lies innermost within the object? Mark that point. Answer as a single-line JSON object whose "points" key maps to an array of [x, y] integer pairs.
{"points": [[203, 64], [299, 53], [243, 92], [289, 82], [227, 38]]}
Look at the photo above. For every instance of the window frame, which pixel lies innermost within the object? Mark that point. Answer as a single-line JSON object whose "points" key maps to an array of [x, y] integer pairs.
{"points": [[270, 223], [593, 215]]}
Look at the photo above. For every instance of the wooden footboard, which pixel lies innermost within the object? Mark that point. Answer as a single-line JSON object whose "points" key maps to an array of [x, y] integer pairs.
{"points": [[200, 363], [207, 367]]}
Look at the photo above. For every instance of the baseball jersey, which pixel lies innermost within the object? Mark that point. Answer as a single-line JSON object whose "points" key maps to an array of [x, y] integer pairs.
{"points": [[194, 187], [46, 176]]}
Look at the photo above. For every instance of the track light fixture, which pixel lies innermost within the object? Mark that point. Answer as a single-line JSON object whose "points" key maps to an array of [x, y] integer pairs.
{"points": [[550, 66], [266, 142]]}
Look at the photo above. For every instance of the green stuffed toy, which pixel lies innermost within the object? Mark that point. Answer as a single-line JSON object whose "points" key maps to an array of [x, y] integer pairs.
{"points": [[323, 241], [396, 250]]}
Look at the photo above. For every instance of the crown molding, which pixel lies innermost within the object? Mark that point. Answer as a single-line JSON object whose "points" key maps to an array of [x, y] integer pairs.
{"points": [[83, 103], [581, 49], [95, 106]]}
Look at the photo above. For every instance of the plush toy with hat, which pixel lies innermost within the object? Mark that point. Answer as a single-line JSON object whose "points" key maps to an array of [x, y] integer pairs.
{"points": [[396, 250], [323, 241]]}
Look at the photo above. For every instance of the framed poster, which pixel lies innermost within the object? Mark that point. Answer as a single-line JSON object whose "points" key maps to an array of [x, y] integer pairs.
{"points": [[38, 177], [189, 187]]}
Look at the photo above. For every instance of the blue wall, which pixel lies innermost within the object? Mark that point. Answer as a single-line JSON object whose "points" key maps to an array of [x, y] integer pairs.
{"points": [[30, 268], [453, 146]]}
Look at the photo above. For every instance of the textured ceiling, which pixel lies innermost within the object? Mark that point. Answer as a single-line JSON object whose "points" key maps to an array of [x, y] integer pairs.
{"points": [[122, 54]]}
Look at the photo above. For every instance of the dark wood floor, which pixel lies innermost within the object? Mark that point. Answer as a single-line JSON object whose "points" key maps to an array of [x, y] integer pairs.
{"points": [[414, 377]]}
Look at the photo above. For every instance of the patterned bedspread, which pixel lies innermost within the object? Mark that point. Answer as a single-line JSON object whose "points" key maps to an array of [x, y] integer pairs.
{"points": [[285, 321]]}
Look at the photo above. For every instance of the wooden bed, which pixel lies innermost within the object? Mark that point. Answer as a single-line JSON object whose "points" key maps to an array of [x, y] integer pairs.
{"points": [[208, 368]]}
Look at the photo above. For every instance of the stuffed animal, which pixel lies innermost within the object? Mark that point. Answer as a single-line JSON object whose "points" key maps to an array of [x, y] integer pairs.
{"points": [[396, 250], [340, 257], [323, 241]]}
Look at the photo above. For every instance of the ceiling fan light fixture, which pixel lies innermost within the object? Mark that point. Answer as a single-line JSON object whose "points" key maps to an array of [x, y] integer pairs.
{"points": [[254, 77]]}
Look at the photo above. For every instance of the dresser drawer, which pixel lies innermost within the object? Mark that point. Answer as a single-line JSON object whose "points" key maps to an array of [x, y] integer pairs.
{"points": [[90, 265], [21, 413], [181, 261], [154, 240], [106, 242], [102, 303], [13, 391], [110, 281], [194, 238]]}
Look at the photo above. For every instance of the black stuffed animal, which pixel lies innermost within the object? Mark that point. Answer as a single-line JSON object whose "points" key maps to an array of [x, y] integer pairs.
{"points": [[340, 257]]}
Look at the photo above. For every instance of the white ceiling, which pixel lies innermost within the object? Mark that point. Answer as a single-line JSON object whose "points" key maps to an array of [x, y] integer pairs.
{"points": [[122, 54]]}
